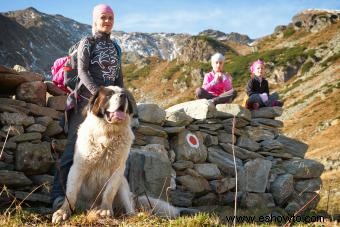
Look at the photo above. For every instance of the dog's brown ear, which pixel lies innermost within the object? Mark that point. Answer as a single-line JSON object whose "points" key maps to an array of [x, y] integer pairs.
{"points": [[132, 106], [96, 101]]}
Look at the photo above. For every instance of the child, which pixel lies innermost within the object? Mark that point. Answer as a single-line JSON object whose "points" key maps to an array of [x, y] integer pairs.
{"points": [[217, 86], [258, 89]]}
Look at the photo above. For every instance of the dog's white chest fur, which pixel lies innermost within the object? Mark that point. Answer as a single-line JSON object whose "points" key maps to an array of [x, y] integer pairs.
{"points": [[104, 149]]}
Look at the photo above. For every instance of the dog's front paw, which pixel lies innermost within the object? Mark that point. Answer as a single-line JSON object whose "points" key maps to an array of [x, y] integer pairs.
{"points": [[61, 215], [105, 212]]}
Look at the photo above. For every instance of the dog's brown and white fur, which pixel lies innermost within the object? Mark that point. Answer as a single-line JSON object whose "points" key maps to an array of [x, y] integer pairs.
{"points": [[96, 177]]}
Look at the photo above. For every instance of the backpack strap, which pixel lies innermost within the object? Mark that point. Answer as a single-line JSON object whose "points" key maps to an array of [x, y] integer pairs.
{"points": [[119, 50]]}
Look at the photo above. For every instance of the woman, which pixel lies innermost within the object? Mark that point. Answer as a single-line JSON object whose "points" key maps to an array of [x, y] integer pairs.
{"points": [[217, 86], [99, 64]]}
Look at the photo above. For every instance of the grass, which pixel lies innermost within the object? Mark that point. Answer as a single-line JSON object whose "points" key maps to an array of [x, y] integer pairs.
{"points": [[331, 59], [288, 32], [306, 67], [219, 218], [169, 73]]}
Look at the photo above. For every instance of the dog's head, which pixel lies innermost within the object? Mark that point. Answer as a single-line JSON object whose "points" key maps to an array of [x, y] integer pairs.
{"points": [[111, 103]]}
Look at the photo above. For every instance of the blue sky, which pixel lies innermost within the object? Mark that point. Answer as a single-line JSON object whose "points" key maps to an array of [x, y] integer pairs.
{"points": [[254, 18]]}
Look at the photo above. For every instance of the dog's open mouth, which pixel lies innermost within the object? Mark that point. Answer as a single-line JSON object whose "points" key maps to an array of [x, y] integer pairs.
{"points": [[117, 115]]}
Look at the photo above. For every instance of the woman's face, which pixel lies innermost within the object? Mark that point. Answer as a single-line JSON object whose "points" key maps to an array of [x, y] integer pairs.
{"points": [[217, 65], [259, 70], [104, 23]]}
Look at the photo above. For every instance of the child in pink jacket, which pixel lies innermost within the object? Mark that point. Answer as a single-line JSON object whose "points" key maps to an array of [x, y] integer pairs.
{"points": [[217, 86]]}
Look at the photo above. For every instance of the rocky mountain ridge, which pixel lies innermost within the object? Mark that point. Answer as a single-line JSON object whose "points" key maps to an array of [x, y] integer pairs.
{"points": [[42, 38]]}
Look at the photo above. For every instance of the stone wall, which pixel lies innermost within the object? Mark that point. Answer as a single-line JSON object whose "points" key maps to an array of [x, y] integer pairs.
{"points": [[183, 154]]}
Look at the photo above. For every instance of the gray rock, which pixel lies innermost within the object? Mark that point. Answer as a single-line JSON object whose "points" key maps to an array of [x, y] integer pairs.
{"points": [[268, 145], [33, 158], [45, 120], [13, 130], [194, 151], [16, 119], [309, 185], [8, 145], [148, 172], [57, 102], [276, 154], [303, 168], [248, 144], [257, 200], [44, 111], [208, 170], [158, 148], [10, 81], [240, 152], [224, 161], [223, 185], [13, 179], [32, 92], [182, 165], [194, 184], [14, 109], [151, 113], [224, 137], [268, 122], [239, 122], [267, 112], [53, 129], [53, 89], [229, 197], [32, 197], [44, 181], [174, 130], [206, 200], [197, 109], [6, 166], [210, 127], [259, 133], [36, 128], [292, 146], [151, 130], [233, 110], [255, 176], [30, 136], [157, 140], [177, 118], [209, 140], [282, 188], [292, 207], [181, 198]]}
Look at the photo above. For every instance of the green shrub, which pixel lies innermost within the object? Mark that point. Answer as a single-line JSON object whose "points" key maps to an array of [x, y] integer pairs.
{"points": [[306, 67], [213, 42], [138, 73], [288, 32], [171, 71]]}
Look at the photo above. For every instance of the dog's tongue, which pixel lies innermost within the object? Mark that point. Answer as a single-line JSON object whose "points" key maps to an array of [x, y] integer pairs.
{"points": [[119, 114]]}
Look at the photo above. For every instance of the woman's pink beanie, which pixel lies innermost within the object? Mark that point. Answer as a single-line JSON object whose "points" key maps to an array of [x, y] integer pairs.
{"points": [[97, 11]]}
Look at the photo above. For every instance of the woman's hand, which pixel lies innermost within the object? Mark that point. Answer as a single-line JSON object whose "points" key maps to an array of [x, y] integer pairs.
{"points": [[217, 77]]}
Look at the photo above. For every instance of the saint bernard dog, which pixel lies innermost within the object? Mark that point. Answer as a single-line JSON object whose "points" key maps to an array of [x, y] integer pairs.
{"points": [[96, 179]]}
